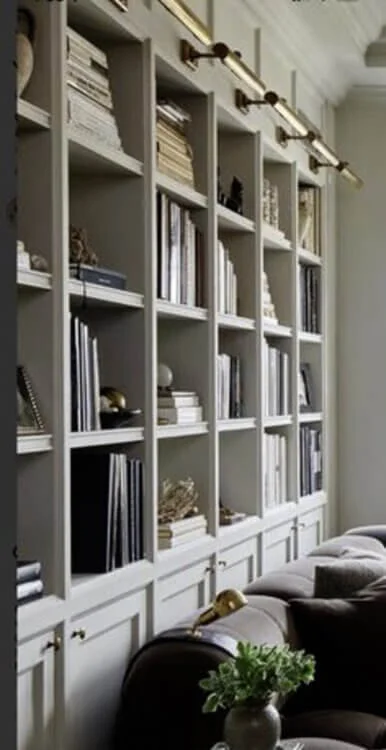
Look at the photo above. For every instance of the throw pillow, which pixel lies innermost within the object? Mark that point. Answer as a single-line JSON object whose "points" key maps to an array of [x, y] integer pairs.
{"points": [[345, 576], [347, 638]]}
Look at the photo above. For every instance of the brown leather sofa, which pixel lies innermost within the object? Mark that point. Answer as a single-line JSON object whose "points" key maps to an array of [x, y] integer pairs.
{"points": [[161, 703]]}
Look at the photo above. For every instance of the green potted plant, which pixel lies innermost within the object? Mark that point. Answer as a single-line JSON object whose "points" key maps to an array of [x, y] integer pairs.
{"points": [[246, 684]]}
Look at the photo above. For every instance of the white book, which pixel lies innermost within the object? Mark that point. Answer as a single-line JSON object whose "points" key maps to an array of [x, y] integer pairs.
{"points": [[96, 394], [85, 45], [181, 415], [190, 536]]}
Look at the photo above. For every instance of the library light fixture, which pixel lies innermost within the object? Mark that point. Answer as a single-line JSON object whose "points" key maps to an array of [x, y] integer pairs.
{"points": [[342, 167], [233, 61]]}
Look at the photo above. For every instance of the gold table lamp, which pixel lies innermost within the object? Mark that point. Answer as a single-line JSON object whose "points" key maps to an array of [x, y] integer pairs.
{"points": [[225, 603]]}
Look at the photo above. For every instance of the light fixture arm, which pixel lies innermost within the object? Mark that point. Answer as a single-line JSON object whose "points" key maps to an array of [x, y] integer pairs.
{"points": [[315, 165], [283, 137], [191, 56], [243, 102]]}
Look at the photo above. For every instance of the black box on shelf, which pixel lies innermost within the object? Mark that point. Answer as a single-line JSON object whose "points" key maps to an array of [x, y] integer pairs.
{"points": [[97, 275]]}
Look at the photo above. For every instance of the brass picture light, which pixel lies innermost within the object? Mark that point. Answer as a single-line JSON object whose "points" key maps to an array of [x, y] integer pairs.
{"points": [[232, 60]]}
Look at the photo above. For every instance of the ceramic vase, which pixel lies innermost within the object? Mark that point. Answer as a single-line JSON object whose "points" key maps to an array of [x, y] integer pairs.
{"points": [[250, 727], [24, 48]]}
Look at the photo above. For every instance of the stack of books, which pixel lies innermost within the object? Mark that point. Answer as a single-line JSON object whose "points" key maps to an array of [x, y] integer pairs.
{"points": [[180, 251], [268, 306], [178, 407], [175, 533], [107, 489], [174, 152], [276, 375], [85, 384], [90, 102], [229, 387], [227, 282], [29, 584]]}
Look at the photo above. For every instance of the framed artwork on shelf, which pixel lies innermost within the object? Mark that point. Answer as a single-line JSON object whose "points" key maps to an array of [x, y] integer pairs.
{"points": [[29, 418]]}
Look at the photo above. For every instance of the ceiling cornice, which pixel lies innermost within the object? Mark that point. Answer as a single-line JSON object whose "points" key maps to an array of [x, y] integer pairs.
{"points": [[305, 52], [366, 94]]}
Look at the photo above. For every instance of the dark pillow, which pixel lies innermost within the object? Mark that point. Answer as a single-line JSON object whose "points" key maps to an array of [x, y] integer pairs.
{"points": [[348, 640], [345, 576]]}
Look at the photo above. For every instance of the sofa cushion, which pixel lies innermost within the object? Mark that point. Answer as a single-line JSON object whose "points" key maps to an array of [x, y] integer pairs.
{"points": [[347, 638], [377, 532], [343, 577], [362, 729], [315, 743], [339, 545]]}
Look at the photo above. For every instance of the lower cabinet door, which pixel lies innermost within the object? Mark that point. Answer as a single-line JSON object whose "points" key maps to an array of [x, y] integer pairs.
{"points": [[310, 530], [278, 546], [237, 566], [101, 643], [36, 692], [181, 594]]}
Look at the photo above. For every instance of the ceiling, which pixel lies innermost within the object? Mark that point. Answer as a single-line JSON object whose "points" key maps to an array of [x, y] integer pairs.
{"points": [[331, 40]]}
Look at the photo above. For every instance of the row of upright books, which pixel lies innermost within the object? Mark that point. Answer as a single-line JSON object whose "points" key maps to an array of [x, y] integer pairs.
{"points": [[90, 100], [85, 378], [309, 298], [227, 282], [274, 470], [174, 151], [107, 498], [180, 245], [229, 397], [29, 584], [276, 378], [310, 439]]}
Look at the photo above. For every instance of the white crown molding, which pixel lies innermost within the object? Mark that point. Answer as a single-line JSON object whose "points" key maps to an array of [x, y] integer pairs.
{"points": [[304, 51], [366, 94]]}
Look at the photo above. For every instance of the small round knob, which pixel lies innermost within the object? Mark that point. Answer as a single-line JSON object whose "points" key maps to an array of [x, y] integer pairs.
{"points": [[222, 563], [210, 569], [55, 644], [79, 633]]}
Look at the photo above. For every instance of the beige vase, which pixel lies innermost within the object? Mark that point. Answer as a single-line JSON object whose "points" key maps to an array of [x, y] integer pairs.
{"points": [[24, 49]]}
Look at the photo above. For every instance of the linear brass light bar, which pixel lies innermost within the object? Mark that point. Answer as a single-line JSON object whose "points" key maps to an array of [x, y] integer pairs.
{"points": [[182, 13], [341, 166], [232, 60]]}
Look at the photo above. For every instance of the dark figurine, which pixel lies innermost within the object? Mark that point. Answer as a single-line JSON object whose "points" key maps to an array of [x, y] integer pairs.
{"points": [[235, 200], [221, 197], [80, 249]]}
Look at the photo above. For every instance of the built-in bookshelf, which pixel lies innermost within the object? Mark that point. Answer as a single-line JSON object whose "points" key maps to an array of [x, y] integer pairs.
{"points": [[171, 325]]}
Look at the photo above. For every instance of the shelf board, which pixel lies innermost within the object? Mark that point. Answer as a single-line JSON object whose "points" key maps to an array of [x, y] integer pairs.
{"points": [[38, 615], [307, 257], [167, 309], [30, 117], [106, 437], [33, 444], [249, 526], [180, 192], [310, 338], [34, 279], [230, 221], [309, 417], [90, 156], [185, 554], [236, 322], [235, 425], [104, 19], [276, 330], [97, 586], [281, 421], [104, 296], [181, 430], [273, 239], [310, 502], [279, 514]]}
